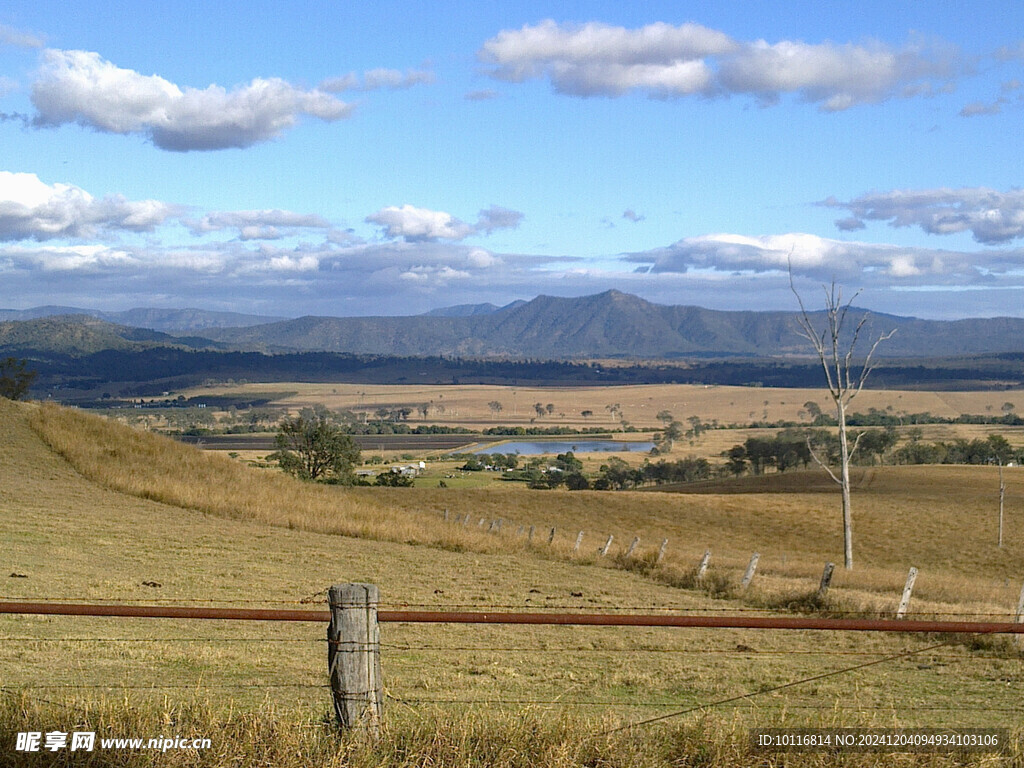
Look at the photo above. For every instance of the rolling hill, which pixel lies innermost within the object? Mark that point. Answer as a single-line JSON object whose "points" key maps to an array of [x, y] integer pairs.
{"points": [[610, 324]]}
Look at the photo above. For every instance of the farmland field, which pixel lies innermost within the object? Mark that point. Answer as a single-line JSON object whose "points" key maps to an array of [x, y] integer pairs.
{"points": [[468, 405], [114, 515]]}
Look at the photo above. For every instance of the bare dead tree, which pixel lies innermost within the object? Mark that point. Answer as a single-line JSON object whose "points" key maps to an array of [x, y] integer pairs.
{"points": [[845, 378], [1002, 498]]}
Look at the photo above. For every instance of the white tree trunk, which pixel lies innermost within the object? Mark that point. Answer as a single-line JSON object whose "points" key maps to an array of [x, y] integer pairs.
{"points": [[844, 484]]}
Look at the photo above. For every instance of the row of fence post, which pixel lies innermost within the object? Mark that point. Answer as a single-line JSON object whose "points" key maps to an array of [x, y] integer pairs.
{"points": [[702, 566]]}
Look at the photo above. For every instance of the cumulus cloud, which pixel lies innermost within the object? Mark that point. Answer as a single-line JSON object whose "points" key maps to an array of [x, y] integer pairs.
{"points": [[630, 215], [419, 224], [32, 209], [81, 87], [666, 61], [823, 259], [992, 217], [414, 224], [377, 79]]}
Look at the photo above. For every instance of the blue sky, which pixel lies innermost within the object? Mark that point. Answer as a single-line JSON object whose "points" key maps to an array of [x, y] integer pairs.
{"points": [[394, 157]]}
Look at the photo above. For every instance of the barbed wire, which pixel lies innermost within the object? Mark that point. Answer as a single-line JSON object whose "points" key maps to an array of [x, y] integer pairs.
{"points": [[772, 689]]}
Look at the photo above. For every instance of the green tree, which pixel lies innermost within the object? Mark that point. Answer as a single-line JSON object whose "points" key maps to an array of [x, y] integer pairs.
{"points": [[15, 378], [394, 480], [311, 448]]}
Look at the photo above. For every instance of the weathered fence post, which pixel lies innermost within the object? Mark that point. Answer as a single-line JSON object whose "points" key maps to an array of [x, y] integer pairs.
{"points": [[353, 657], [491, 527], [908, 589], [579, 540], [748, 576], [661, 551], [604, 549], [826, 580], [446, 515], [465, 520], [529, 536], [703, 567], [632, 546], [551, 536]]}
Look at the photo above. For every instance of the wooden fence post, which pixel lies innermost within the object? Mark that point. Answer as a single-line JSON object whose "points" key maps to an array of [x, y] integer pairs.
{"points": [[446, 515], [661, 551], [465, 520], [353, 657], [908, 589], [490, 528], [632, 546], [703, 567], [604, 549], [748, 576], [579, 540], [529, 536], [551, 536], [826, 580]]}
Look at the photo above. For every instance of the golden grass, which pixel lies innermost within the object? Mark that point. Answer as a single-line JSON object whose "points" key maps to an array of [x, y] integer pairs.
{"points": [[467, 404], [70, 537], [938, 519], [266, 737], [153, 467]]}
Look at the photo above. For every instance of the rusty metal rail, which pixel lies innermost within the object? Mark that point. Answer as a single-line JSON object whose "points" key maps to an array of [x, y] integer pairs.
{"points": [[585, 619]]}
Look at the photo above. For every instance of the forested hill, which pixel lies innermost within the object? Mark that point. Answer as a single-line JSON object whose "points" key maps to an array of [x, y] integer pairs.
{"points": [[611, 324]]}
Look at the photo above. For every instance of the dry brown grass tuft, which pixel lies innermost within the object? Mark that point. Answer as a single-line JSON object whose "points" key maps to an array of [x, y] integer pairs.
{"points": [[519, 739], [160, 469]]}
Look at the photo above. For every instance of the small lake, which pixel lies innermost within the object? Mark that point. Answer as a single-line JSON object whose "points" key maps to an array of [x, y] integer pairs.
{"points": [[535, 448]]}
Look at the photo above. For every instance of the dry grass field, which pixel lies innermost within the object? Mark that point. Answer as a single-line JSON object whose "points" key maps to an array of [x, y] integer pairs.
{"points": [[467, 405], [92, 511]]}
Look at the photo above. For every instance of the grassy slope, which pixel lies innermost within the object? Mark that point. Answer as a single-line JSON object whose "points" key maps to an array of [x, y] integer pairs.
{"points": [[74, 538]]}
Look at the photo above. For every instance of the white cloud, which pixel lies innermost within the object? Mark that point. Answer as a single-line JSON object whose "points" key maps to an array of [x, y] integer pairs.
{"points": [[81, 87], [377, 79], [665, 61], [823, 259], [419, 224], [257, 225], [77, 258], [32, 209], [478, 258], [18, 38], [433, 277], [424, 225], [992, 217]]}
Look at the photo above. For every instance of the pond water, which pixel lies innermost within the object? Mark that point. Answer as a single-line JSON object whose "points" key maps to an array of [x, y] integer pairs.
{"points": [[535, 448]]}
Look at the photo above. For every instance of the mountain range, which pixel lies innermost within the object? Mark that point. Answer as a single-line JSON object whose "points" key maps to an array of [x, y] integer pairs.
{"points": [[177, 320], [607, 325]]}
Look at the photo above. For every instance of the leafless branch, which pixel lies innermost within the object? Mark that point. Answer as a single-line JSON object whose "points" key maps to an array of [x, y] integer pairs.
{"points": [[821, 463]]}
